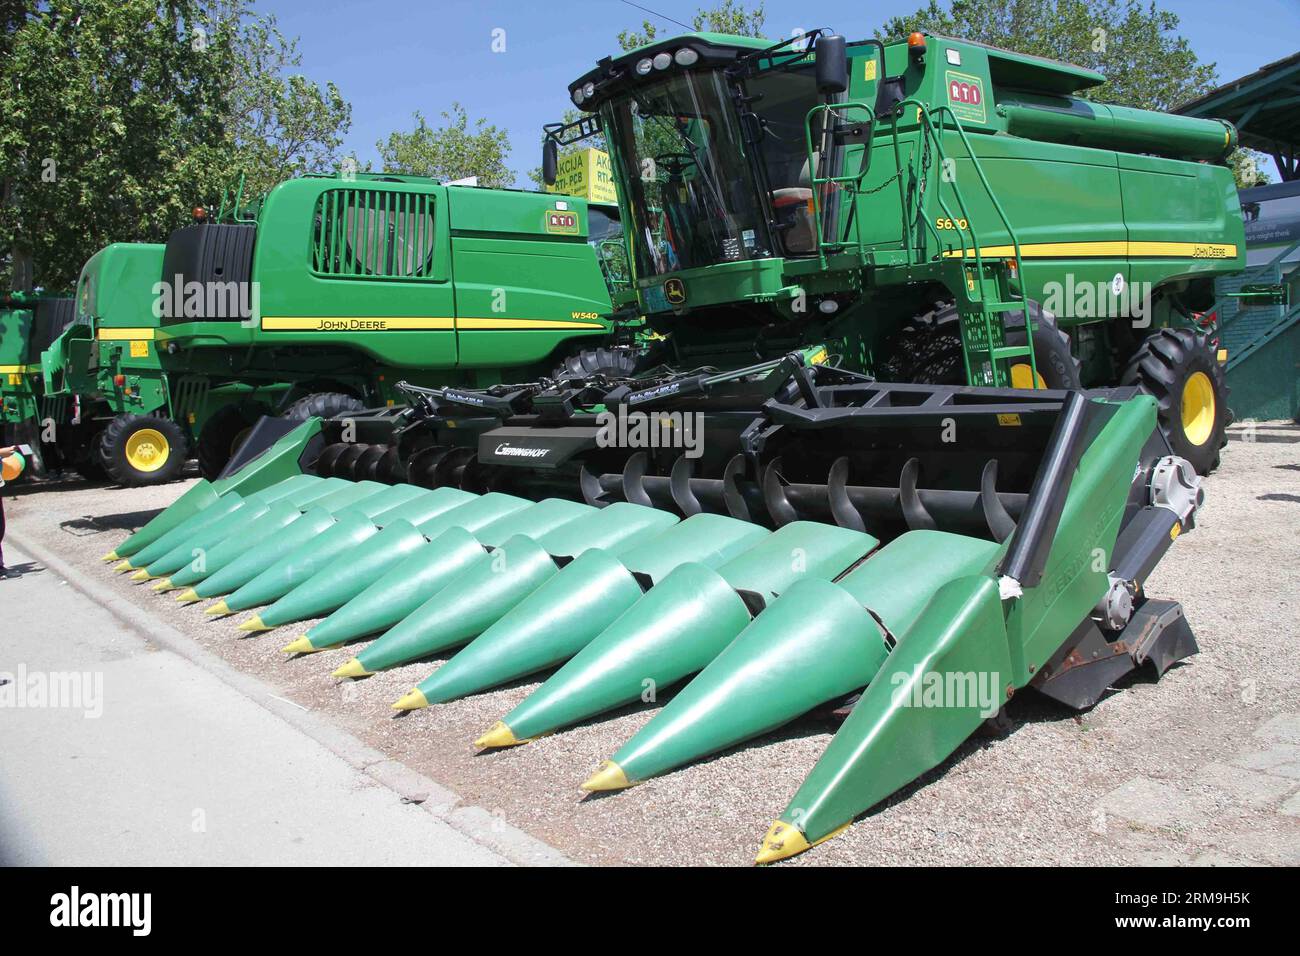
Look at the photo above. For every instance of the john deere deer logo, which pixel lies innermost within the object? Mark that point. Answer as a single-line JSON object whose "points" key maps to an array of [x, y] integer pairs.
{"points": [[675, 291]]}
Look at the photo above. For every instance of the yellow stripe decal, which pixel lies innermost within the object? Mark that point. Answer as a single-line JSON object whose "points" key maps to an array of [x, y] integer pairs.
{"points": [[409, 324], [352, 323], [18, 369], [466, 323], [1116, 249], [122, 335]]}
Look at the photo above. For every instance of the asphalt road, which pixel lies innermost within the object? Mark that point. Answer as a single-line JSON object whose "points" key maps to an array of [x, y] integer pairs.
{"points": [[117, 752]]}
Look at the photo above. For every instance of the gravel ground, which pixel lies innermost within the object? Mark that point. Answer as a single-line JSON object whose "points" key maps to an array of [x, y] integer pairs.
{"points": [[1199, 768]]}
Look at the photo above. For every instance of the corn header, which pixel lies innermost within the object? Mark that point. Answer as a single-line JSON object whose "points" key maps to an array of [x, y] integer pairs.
{"points": [[878, 549]]}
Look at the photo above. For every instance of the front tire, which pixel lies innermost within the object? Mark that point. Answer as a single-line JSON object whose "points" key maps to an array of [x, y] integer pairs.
{"points": [[1178, 368], [322, 405], [612, 363], [222, 435], [141, 450], [927, 351]]}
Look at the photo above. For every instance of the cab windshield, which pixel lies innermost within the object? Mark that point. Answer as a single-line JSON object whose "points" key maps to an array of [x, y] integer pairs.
{"points": [[697, 188]]}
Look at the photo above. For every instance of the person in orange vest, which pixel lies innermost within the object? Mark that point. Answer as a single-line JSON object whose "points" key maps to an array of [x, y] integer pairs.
{"points": [[6, 454]]}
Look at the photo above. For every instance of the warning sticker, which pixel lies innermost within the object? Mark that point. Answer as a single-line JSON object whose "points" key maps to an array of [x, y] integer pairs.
{"points": [[966, 96], [139, 348]]}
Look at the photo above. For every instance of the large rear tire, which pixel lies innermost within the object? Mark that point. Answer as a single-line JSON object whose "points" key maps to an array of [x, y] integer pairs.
{"points": [[612, 363], [927, 351], [222, 435], [1178, 368], [322, 405], [140, 450]]}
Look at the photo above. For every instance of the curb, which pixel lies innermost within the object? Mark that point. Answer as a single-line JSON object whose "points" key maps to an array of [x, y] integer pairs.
{"points": [[476, 823]]}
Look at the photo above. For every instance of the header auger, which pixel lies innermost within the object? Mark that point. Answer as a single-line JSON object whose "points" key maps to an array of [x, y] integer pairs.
{"points": [[905, 551]]}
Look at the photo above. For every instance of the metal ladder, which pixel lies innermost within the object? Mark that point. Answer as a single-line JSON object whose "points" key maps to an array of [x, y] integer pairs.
{"points": [[987, 294]]}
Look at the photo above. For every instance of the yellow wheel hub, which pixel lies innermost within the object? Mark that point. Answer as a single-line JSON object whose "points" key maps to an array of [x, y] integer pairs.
{"points": [[1022, 376], [1198, 408], [147, 450]]}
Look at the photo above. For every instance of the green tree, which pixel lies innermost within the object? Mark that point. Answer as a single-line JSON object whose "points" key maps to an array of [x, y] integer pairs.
{"points": [[117, 117], [283, 125], [111, 127], [1248, 168], [725, 17], [453, 151], [1146, 62]]}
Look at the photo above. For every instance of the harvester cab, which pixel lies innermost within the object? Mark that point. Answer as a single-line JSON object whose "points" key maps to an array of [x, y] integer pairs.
{"points": [[930, 210]]}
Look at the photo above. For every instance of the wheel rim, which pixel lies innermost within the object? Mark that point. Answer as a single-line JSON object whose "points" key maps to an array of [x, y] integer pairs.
{"points": [[1198, 408], [1022, 376], [147, 450]]}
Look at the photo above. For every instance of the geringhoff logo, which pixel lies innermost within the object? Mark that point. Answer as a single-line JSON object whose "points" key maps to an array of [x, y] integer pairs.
{"points": [[75, 909], [514, 451]]}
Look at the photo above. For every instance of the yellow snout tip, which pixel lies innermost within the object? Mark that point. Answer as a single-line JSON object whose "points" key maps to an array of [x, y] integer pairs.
{"points": [[300, 646], [111, 556], [610, 776], [218, 609], [164, 585], [352, 668], [254, 623], [141, 575], [188, 596], [499, 736], [784, 840], [415, 700]]}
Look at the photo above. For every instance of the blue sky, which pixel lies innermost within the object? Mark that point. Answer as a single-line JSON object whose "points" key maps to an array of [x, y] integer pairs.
{"points": [[391, 58]]}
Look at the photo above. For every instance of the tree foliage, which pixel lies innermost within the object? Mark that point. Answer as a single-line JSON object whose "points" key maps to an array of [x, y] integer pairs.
{"points": [[119, 116], [725, 17], [1146, 62], [452, 151], [283, 125]]}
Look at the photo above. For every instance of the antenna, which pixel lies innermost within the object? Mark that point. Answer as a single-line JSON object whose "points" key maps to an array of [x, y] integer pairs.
{"points": [[656, 14]]}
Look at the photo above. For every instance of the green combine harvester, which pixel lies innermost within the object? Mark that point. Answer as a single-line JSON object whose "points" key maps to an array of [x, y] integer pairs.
{"points": [[29, 323], [766, 523], [316, 300]]}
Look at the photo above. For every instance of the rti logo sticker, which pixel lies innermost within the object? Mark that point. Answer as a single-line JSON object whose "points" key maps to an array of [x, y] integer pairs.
{"points": [[75, 909], [966, 96], [561, 223], [675, 292]]}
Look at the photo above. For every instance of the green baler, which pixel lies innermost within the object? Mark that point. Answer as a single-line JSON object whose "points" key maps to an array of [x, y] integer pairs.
{"points": [[337, 288], [926, 549]]}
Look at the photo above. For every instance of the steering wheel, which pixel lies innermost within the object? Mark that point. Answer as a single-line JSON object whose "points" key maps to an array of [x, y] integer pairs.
{"points": [[674, 163]]}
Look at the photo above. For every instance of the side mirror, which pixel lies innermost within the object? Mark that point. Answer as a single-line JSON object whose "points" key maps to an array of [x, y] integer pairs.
{"points": [[550, 161], [831, 64]]}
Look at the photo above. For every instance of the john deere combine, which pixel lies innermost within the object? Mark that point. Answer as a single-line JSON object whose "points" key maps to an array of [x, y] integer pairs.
{"points": [[29, 322], [763, 525], [320, 297]]}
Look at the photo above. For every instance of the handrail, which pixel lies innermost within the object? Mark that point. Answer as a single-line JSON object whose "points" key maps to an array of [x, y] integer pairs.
{"points": [[851, 180], [924, 111]]}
